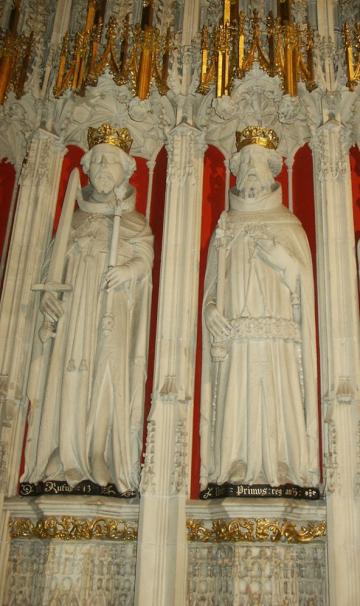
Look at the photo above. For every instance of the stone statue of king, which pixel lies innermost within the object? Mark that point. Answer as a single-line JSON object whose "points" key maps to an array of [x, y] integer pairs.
{"points": [[259, 413], [88, 369]]}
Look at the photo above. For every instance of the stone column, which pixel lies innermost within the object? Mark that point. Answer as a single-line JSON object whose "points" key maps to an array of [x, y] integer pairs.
{"points": [[339, 348], [325, 18], [60, 27], [162, 544], [39, 182]]}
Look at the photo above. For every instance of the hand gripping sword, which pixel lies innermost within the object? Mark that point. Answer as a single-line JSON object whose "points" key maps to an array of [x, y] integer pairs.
{"points": [[121, 205], [56, 267]]}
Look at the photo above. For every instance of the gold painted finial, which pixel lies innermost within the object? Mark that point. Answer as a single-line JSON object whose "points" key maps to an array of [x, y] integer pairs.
{"points": [[259, 135], [120, 137]]}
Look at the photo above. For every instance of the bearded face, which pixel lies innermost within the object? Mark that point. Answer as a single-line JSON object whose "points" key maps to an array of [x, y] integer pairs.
{"points": [[103, 183], [254, 177], [106, 170]]}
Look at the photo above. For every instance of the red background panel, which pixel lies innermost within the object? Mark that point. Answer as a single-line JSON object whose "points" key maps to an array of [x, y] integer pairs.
{"points": [[156, 224], [212, 207], [355, 182], [7, 182]]}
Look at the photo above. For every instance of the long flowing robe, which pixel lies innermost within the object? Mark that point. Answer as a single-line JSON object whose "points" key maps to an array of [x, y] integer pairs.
{"points": [[87, 370], [259, 415]]}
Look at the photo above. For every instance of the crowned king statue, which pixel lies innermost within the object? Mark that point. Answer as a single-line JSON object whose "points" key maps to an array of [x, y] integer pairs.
{"points": [[88, 369], [259, 415]]}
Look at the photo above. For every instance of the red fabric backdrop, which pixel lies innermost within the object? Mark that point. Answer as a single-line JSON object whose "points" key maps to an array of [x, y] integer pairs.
{"points": [[212, 207], [355, 182], [156, 223], [7, 182]]}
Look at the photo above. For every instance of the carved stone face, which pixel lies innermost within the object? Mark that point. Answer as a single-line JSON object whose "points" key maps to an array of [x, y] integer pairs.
{"points": [[106, 169], [254, 176]]}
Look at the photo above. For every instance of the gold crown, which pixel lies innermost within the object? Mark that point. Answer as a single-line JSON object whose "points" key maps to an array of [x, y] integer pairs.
{"points": [[120, 137], [260, 135]]}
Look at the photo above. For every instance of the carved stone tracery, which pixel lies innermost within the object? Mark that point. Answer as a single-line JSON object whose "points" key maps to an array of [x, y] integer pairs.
{"points": [[257, 99], [248, 575], [77, 572]]}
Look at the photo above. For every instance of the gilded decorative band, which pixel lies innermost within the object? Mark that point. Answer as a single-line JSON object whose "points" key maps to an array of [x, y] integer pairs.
{"points": [[68, 528], [254, 531]]}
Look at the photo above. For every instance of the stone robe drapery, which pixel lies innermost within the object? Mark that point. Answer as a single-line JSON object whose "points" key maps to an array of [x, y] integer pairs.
{"points": [[259, 415], [87, 370]]}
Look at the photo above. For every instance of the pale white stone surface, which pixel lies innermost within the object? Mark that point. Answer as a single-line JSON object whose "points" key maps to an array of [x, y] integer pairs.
{"points": [[328, 119], [87, 377], [54, 573], [248, 575], [259, 420]]}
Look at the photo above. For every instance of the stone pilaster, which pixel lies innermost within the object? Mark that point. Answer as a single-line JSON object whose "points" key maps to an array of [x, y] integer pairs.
{"points": [[162, 545], [339, 348], [39, 182]]}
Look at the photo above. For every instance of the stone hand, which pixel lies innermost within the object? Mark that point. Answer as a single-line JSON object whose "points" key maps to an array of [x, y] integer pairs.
{"points": [[51, 306], [116, 276], [216, 323]]}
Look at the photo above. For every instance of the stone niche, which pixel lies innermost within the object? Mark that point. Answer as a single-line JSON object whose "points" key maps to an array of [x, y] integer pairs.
{"points": [[256, 553], [70, 572], [87, 556], [247, 575]]}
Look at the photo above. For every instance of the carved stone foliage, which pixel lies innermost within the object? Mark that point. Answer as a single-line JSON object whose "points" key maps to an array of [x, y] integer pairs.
{"points": [[179, 472], [247, 575], [332, 475], [181, 156], [5, 434], [74, 573], [148, 471], [78, 15], [147, 120], [331, 151], [38, 19], [211, 12], [255, 100], [18, 118], [254, 531], [348, 11], [3, 461], [7, 414], [168, 14], [299, 10], [68, 528], [120, 8]]}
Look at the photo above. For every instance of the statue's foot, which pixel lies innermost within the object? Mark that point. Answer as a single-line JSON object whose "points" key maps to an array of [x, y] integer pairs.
{"points": [[100, 472], [73, 476], [54, 469]]}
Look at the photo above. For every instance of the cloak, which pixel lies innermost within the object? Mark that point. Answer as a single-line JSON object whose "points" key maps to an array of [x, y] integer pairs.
{"points": [[85, 370], [259, 411]]}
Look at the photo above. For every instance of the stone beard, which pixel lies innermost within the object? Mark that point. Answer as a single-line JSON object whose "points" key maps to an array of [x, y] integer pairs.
{"points": [[86, 385], [259, 414]]}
